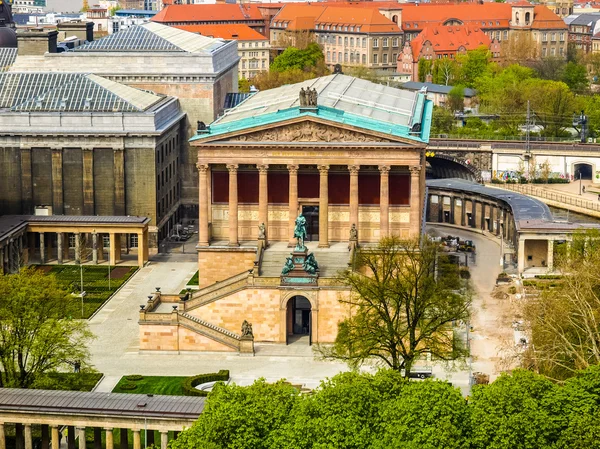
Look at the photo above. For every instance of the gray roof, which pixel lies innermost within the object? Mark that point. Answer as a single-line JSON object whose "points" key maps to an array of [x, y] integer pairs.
{"points": [[436, 88], [353, 95], [152, 36], [582, 19], [7, 58], [70, 92], [105, 404]]}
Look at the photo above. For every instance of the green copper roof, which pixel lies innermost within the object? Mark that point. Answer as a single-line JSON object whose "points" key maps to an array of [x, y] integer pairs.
{"points": [[341, 99]]}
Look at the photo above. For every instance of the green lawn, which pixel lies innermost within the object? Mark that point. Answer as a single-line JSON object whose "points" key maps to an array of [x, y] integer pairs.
{"points": [[68, 381], [168, 385], [95, 282], [194, 280]]}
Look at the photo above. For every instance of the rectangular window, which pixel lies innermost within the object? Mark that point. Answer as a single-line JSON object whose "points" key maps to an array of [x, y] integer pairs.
{"points": [[364, 59], [395, 42], [364, 42], [385, 42], [345, 42], [334, 56], [352, 42], [375, 59], [375, 43], [328, 58], [385, 58]]}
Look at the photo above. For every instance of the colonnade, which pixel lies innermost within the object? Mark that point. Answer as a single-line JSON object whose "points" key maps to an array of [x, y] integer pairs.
{"points": [[12, 254], [204, 171], [51, 437], [495, 218], [46, 240]]}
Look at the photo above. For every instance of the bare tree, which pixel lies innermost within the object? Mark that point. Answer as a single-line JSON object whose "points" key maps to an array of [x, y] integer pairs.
{"points": [[403, 302]]}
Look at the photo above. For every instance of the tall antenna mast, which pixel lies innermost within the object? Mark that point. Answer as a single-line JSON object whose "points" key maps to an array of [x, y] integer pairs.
{"points": [[527, 125]]}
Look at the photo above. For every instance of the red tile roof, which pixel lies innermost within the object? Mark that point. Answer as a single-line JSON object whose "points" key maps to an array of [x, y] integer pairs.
{"points": [[306, 16], [237, 31], [208, 13], [489, 15], [449, 39]]}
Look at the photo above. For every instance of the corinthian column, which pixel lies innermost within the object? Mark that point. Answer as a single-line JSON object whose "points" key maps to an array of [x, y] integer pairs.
{"points": [[415, 203], [353, 195], [323, 206], [203, 204], [263, 198], [384, 201], [293, 200], [233, 205]]}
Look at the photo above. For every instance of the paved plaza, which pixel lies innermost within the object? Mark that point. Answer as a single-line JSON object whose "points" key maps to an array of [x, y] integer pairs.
{"points": [[115, 351]]}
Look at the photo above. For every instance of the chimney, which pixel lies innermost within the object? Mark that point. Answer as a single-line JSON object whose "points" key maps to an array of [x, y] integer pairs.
{"points": [[82, 30], [36, 42]]}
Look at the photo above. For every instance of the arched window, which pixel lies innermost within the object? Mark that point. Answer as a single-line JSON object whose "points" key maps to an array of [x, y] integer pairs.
{"points": [[527, 16], [517, 17], [395, 19]]}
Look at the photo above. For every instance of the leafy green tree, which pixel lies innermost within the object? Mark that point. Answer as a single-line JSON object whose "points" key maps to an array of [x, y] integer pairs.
{"points": [[241, 417], [244, 85], [456, 99], [474, 64], [35, 336], [553, 104], [442, 120], [516, 410], [426, 415], [576, 77], [424, 69], [294, 58], [550, 68], [404, 298]]}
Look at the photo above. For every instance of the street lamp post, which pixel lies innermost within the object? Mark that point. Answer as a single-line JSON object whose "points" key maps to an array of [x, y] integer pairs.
{"points": [[83, 295]]}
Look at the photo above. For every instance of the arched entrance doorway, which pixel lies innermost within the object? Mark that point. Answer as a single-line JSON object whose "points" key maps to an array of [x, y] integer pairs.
{"points": [[582, 170], [298, 318]]}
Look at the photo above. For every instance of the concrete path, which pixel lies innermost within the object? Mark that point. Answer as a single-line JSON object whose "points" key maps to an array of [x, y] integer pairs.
{"points": [[115, 352]]}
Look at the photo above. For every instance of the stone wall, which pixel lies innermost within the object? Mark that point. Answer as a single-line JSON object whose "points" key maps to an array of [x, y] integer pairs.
{"points": [[169, 338], [218, 264], [538, 251]]}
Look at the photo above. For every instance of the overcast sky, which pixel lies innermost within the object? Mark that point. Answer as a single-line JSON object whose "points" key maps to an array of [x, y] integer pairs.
{"points": [[64, 5]]}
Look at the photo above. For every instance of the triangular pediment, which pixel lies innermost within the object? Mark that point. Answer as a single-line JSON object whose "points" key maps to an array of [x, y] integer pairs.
{"points": [[308, 129]]}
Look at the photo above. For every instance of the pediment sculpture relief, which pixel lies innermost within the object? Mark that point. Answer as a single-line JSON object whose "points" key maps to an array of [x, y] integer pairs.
{"points": [[307, 132]]}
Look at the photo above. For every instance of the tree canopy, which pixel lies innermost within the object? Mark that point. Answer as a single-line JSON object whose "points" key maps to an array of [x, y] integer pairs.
{"points": [[295, 58], [404, 299], [35, 338]]}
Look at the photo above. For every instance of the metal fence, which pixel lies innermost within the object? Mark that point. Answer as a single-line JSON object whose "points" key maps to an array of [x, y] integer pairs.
{"points": [[532, 190]]}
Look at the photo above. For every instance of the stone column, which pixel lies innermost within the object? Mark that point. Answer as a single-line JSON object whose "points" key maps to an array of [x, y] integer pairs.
{"points": [[164, 439], [28, 437], [42, 248], [550, 257], [57, 182], [323, 206], [233, 205], [482, 223], [293, 201], [415, 201], [463, 212], [108, 436], [2, 436], [54, 437], [81, 436], [141, 249], [26, 182], [95, 248], [521, 256], [384, 201], [124, 444], [353, 169], [452, 206], [88, 181], [45, 437], [263, 198], [137, 443], [59, 248], [119, 180], [78, 247], [203, 202], [114, 252]]}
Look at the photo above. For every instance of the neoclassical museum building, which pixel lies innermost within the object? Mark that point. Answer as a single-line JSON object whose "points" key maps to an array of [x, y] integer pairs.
{"points": [[346, 154]]}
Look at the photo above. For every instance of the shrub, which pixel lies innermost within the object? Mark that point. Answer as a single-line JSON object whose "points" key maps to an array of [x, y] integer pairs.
{"points": [[190, 384], [134, 377], [128, 386]]}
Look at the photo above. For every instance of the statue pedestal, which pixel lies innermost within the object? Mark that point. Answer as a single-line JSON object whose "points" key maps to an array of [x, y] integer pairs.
{"points": [[247, 345], [297, 276]]}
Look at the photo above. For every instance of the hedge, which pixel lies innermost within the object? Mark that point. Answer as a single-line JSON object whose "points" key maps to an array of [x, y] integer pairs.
{"points": [[190, 384]]}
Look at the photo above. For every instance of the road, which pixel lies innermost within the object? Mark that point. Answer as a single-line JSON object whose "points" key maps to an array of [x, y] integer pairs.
{"points": [[492, 334]]}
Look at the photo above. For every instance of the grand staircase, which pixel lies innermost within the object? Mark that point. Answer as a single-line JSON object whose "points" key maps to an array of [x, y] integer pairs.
{"points": [[331, 260]]}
